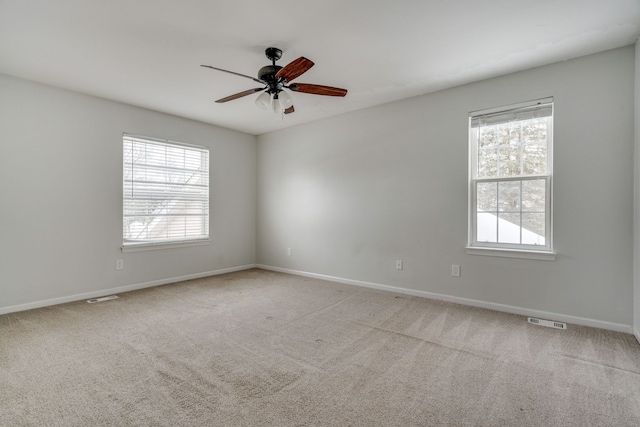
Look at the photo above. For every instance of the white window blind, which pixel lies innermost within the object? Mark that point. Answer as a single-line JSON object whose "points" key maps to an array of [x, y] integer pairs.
{"points": [[165, 191], [535, 111]]}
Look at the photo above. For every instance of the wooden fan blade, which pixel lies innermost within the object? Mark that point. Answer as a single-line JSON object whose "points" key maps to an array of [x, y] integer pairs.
{"points": [[318, 89], [241, 94], [232, 72], [289, 110], [294, 69]]}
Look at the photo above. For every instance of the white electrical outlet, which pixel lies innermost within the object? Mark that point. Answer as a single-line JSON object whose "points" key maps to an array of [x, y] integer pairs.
{"points": [[455, 270], [398, 264], [288, 251], [119, 264]]}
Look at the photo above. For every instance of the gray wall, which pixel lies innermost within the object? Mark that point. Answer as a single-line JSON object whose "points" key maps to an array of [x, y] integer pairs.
{"points": [[349, 195], [353, 193], [61, 192], [636, 257]]}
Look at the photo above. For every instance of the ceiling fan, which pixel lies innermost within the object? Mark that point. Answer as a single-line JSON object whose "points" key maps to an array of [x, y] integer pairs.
{"points": [[275, 79]]}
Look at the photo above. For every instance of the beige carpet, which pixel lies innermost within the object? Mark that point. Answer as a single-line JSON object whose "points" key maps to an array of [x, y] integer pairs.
{"points": [[258, 348]]}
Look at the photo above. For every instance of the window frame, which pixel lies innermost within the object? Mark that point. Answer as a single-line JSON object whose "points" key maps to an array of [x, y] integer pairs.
{"points": [[135, 245], [511, 250]]}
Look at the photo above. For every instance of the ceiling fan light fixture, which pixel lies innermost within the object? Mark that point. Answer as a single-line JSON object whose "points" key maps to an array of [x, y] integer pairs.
{"points": [[275, 106], [285, 100], [264, 101]]}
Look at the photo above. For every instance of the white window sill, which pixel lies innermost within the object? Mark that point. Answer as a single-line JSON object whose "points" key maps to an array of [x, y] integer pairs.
{"points": [[512, 253], [139, 247]]}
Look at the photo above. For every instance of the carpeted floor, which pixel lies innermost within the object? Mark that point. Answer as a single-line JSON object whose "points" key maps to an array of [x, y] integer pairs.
{"points": [[259, 348]]}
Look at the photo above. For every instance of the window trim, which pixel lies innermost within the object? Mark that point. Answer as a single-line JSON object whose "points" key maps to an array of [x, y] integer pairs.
{"points": [[511, 253], [140, 247], [145, 244], [510, 250]]}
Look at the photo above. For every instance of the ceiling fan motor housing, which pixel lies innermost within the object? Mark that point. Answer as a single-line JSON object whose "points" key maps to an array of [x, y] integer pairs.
{"points": [[268, 75]]}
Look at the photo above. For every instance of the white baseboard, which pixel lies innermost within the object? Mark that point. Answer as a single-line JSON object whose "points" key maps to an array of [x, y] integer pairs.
{"points": [[120, 289], [618, 327], [637, 335]]}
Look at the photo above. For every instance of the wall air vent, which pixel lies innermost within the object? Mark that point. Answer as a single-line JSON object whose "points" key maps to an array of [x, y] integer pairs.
{"points": [[94, 300], [547, 323]]}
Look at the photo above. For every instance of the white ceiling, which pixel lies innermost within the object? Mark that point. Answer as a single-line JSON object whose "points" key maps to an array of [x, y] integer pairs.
{"points": [[148, 52]]}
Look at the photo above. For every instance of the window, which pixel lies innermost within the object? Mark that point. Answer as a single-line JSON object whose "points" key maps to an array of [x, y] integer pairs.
{"points": [[510, 179], [165, 192]]}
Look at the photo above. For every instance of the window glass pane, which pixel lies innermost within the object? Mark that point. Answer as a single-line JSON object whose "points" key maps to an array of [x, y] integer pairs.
{"points": [[487, 196], [534, 195], [509, 227], [503, 132], [533, 226], [509, 196], [509, 157], [535, 130], [488, 162], [487, 227], [512, 134], [534, 158], [488, 136]]}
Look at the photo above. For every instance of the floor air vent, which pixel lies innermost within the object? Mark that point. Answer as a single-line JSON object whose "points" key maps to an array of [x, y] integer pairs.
{"points": [[547, 323], [94, 300]]}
